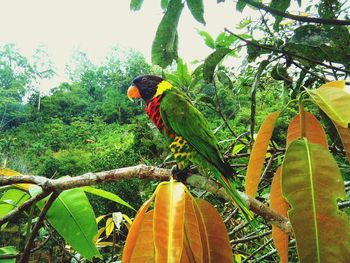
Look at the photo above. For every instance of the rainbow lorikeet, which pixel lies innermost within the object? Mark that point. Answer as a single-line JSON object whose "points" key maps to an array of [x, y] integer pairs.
{"points": [[191, 139]]}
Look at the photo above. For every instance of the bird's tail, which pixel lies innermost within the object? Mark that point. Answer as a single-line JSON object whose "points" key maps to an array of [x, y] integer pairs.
{"points": [[224, 177]]}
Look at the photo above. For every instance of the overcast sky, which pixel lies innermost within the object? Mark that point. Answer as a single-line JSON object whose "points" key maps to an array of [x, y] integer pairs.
{"points": [[94, 26]]}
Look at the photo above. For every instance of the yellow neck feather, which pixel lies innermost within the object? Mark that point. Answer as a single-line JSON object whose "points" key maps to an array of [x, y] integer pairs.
{"points": [[162, 86]]}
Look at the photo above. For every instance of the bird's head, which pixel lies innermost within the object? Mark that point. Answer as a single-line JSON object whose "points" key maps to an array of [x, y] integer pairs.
{"points": [[147, 87]]}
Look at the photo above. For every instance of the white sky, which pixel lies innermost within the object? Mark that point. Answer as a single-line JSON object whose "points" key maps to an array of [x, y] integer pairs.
{"points": [[95, 26]]}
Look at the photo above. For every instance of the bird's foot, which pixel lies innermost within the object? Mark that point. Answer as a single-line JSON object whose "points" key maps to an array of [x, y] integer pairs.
{"points": [[179, 174]]}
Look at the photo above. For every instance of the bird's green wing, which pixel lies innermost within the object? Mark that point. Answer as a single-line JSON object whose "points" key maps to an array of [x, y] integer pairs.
{"points": [[178, 114]]}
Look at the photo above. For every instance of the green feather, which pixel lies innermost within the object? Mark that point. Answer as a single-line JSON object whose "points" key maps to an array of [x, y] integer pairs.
{"points": [[180, 116]]}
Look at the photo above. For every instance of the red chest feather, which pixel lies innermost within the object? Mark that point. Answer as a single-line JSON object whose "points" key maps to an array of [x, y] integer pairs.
{"points": [[153, 112]]}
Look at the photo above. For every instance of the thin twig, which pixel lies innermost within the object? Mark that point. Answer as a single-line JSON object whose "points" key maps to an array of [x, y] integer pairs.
{"points": [[284, 52], [26, 252], [258, 250], [307, 19], [251, 238], [22, 207]]}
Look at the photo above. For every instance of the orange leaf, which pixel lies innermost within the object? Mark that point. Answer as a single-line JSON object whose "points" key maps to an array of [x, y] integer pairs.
{"points": [[314, 131], [216, 245], [192, 240], [344, 134], [257, 157], [144, 245], [279, 204], [130, 247], [168, 221]]}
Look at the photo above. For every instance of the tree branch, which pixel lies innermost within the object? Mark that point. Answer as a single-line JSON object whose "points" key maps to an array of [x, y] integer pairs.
{"points": [[147, 172], [307, 19], [26, 252], [22, 207], [285, 52]]}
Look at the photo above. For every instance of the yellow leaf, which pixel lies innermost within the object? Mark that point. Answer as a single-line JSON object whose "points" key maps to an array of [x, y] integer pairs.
{"points": [[336, 84], [98, 219], [131, 250], [168, 221], [257, 156], [314, 131], [109, 226], [99, 233], [9, 172], [127, 219], [334, 102], [279, 204]]}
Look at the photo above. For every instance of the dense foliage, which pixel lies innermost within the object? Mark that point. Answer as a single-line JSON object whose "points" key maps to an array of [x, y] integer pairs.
{"points": [[88, 125]]}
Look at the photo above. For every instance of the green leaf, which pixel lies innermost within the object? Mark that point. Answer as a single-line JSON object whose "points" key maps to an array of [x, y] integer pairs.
{"points": [[183, 74], [212, 61], [197, 9], [73, 218], [225, 40], [164, 47], [106, 195], [224, 79], [164, 4], [310, 35], [240, 5], [208, 39], [334, 102], [311, 184], [255, 51], [135, 5], [10, 250], [11, 199], [281, 5]]}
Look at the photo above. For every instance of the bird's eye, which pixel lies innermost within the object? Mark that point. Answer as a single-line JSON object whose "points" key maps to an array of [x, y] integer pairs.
{"points": [[144, 79]]}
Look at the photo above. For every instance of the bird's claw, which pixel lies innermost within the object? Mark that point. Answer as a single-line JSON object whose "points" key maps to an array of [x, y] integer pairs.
{"points": [[179, 174]]}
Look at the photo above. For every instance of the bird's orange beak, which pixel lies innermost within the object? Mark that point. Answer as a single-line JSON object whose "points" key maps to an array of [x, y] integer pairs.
{"points": [[133, 92]]}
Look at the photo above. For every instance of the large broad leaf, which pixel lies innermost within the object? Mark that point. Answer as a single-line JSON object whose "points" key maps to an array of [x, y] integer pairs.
{"points": [[344, 134], [312, 183], [9, 172], [279, 204], [215, 242], [212, 61], [11, 199], [313, 129], [192, 237], [73, 218], [334, 102], [106, 195], [164, 47], [197, 9], [135, 250], [7, 251], [168, 222], [310, 35], [144, 244], [257, 156]]}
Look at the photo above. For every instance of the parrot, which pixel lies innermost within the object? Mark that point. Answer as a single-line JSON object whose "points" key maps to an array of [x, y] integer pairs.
{"points": [[191, 141]]}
